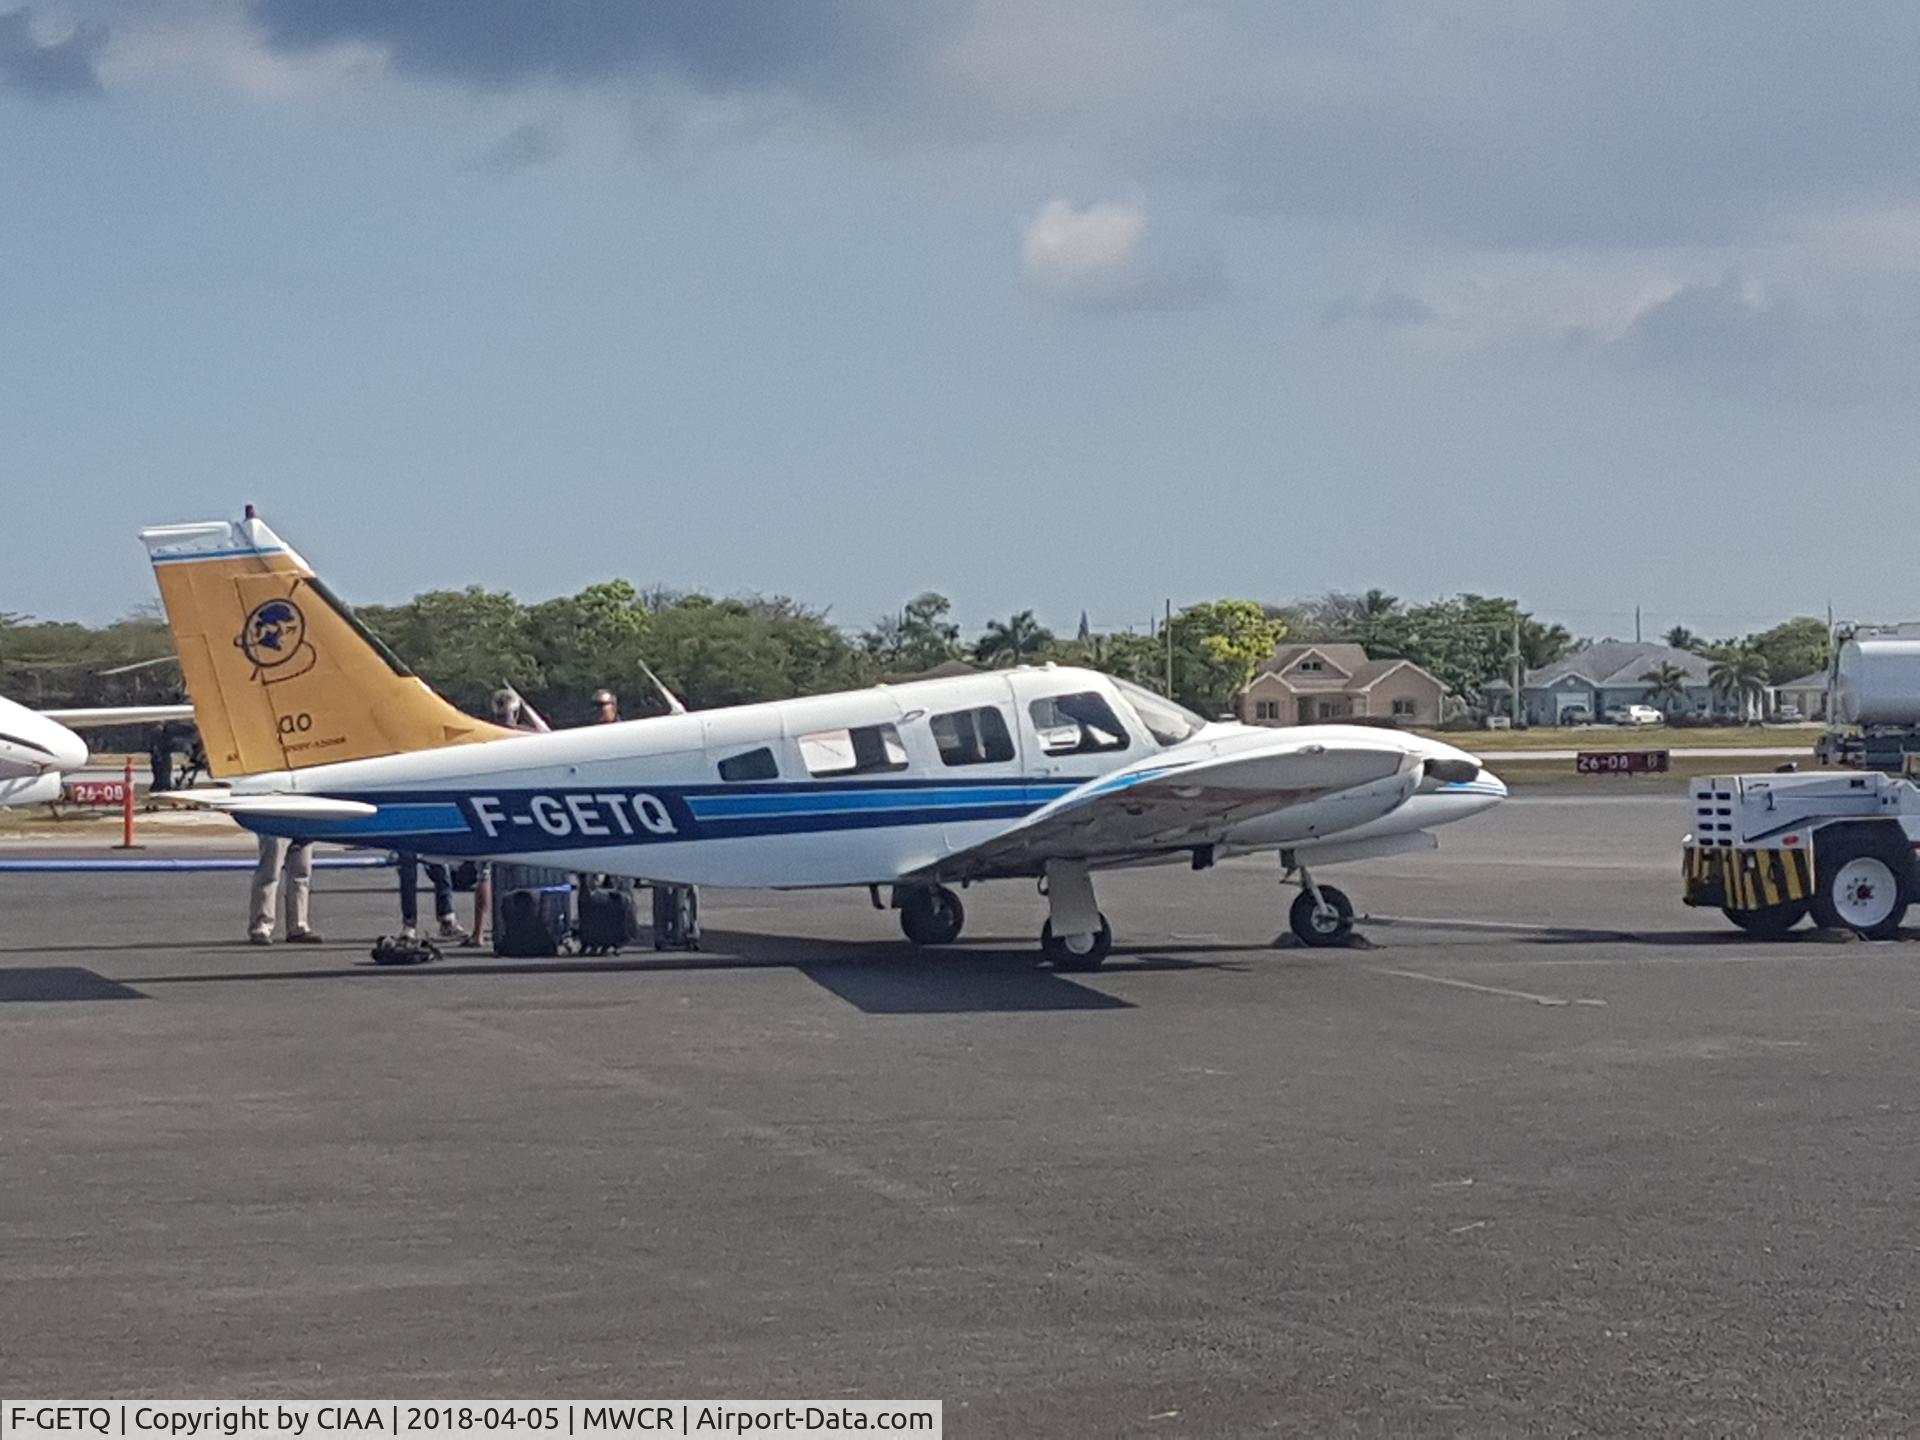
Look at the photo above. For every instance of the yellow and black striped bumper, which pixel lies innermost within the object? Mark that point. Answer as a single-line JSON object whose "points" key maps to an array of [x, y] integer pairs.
{"points": [[1746, 879]]}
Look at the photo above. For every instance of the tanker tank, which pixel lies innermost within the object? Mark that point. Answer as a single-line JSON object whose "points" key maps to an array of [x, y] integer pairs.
{"points": [[1877, 680]]}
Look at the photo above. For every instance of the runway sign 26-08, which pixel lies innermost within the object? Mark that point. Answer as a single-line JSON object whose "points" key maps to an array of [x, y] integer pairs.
{"points": [[1623, 762]]}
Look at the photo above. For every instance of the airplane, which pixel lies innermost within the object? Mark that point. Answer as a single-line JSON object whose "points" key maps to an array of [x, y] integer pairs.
{"points": [[1040, 772], [38, 748]]}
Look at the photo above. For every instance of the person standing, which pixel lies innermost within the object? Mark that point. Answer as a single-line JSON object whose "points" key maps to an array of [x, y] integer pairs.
{"points": [[442, 882], [160, 757], [510, 710], [294, 860]]}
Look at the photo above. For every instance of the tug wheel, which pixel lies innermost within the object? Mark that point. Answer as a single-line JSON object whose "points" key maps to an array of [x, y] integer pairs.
{"points": [[1863, 884]]}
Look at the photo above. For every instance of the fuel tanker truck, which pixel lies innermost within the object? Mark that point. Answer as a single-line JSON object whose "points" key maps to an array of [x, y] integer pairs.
{"points": [[1839, 844]]}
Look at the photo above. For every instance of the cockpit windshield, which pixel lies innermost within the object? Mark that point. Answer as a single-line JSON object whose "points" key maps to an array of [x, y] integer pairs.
{"points": [[1164, 720]]}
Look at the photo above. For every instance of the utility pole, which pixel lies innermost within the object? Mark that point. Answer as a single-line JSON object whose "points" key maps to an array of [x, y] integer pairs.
{"points": [[1168, 628], [1516, 672], [1636, 624]]}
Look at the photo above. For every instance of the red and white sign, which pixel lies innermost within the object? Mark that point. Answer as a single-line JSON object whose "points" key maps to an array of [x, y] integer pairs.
{"points": [[97, 792]]}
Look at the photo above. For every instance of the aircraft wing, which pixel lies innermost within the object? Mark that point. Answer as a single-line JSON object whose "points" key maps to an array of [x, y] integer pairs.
{"points": [[1159, 806], [89, 718], [286, 807]]}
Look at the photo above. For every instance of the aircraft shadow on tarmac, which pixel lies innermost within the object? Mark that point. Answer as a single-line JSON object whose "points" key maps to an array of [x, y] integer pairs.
{"points": [[879, 978], [45, 983]]}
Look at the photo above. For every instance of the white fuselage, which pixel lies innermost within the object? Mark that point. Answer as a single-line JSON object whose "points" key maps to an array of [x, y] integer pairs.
{"points": [[855, 788], [35, 753]]}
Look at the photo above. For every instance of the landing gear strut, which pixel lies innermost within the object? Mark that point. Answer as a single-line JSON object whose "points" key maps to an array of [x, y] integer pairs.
{"points": [[1076, 935], [1321, 915], [931, 914]]}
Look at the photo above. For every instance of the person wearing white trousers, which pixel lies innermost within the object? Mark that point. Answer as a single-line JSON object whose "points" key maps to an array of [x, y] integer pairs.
{"points": [[295, 859]]}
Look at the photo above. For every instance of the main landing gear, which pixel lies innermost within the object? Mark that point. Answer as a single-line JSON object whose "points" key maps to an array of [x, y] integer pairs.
{"points": [[1321, 915], [930, 914], [1076, 935]]}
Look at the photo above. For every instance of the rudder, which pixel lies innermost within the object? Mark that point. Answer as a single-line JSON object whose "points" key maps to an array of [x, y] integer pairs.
{"points": [[281, 673]]}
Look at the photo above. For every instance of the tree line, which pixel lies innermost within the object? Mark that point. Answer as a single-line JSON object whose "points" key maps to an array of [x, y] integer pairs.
{"points": [[726, 651]]}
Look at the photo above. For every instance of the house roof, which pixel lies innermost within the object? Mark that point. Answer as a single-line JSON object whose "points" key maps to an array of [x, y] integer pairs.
{"points": [[1345, 660], [1816, 681], [1342, 655], [1610, 663]]}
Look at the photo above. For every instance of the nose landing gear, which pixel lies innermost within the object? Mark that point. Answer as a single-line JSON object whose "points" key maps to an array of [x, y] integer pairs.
{"points": [[1321, 915]]}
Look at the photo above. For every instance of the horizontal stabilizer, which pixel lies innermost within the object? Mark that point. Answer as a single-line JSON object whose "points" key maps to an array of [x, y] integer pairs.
{"points": [[87, 719], [289, 807]]}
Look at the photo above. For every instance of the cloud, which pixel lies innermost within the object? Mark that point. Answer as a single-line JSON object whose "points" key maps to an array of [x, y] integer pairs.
{"points": [[534, 143], [1385, 309], [56, 67], [1065, 247], [1098, 257], [719, 44], [1770, 341], [1500, 124]]}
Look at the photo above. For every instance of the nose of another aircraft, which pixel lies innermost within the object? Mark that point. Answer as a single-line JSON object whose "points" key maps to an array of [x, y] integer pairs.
{"points": [[69, 750]]}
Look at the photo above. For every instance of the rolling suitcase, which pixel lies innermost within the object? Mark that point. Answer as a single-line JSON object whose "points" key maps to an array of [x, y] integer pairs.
{"points": [[532, 911], [607, 920]]}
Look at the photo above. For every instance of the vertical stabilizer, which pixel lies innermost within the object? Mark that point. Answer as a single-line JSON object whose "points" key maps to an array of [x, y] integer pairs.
{"points": [[281, 674]]}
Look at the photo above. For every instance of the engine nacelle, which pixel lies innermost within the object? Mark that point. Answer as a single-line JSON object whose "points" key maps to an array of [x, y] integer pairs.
{"points": [[30, 789]]}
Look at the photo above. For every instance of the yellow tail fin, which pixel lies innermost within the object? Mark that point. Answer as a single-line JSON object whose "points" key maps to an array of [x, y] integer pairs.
{"points": [[281, 674]]}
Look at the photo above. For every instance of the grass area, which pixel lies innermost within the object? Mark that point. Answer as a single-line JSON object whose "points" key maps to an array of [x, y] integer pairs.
{"points": [[1634, 737]]}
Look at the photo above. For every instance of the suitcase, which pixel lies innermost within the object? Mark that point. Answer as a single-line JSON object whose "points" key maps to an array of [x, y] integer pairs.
{"points": [[607, 920], [532, 911], [676, 917]]}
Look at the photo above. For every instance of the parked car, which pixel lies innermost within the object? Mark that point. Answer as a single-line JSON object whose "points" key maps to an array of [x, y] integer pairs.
{"points": [[1633, 715], [1788, 715], [1576, 715]]}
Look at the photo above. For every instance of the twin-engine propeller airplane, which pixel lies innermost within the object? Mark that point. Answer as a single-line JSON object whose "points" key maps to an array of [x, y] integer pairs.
{"points": [[1048, 773], [38, 748]]}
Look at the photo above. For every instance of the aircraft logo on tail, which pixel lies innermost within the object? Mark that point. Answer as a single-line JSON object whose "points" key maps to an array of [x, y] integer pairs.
{"points": [[274, 640]]}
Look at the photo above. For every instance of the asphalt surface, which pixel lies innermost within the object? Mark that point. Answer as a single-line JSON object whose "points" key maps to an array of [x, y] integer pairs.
{"points": [[1554, 1155]]}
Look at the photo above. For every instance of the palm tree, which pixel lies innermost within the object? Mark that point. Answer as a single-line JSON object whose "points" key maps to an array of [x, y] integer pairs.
{"points": [[1013, 641], [1374, 616], [1669, 684], [1740, 676], [1681, 638]]}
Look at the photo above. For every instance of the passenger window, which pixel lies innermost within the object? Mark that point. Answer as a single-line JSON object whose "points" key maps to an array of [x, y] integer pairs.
{"points": [[972, 737], [863, 750], [750, 765], [1081, 724]]}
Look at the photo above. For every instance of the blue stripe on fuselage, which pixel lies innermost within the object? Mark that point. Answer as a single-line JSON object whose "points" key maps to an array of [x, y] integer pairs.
{"points": [[483, 822]]}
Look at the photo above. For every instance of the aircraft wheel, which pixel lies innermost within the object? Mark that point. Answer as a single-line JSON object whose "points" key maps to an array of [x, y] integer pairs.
{"points": [[1769, 922], [1318, 926], [1862, 885], [932, 915], [1063, 955]]}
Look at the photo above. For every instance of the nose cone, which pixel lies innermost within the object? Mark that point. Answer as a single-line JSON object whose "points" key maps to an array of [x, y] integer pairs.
{"points": [[69, 750], [31, 744], [1489, 785]]}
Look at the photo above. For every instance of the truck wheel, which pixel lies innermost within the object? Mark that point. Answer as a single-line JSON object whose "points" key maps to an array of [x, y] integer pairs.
{"points": [[1862, 885], [1771, 921]]}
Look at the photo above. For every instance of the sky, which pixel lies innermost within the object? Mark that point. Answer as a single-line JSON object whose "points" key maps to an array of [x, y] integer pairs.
{"points": [[1076, 305]]}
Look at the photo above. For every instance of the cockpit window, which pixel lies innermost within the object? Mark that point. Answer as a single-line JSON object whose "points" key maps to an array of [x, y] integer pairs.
{"points": [[972, 737], [1166, 721], [750, 765], [1078, 724], [863, 750]]}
